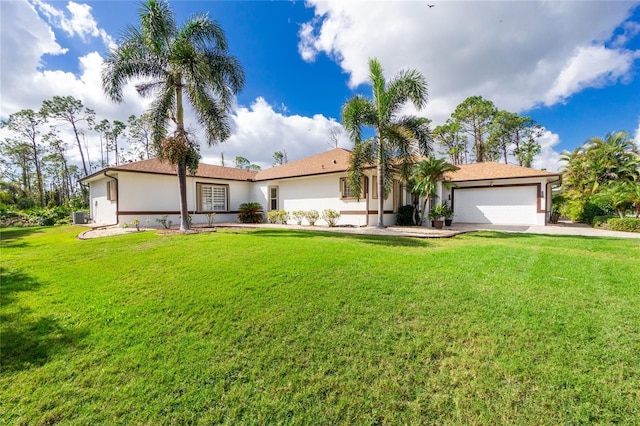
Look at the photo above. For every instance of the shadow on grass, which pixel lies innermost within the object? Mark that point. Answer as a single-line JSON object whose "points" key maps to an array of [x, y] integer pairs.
{"points": [[392, 241], [520, 235], [8, 235], [28, 341]]}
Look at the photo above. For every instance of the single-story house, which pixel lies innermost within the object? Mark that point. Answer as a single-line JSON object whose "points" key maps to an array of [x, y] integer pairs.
{"points": [[148, 189]]}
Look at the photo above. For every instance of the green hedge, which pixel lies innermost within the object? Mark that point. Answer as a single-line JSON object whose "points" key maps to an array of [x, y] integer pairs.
{"points": [[626, 224]]}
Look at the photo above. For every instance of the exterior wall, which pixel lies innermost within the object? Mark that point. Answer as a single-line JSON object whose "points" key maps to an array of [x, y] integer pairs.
{"points": [[102, 211], [149, 197], [314, 192], [543, 195]]}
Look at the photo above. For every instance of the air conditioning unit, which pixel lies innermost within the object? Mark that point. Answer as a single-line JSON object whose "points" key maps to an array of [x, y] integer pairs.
{"points": [[80, 218]]}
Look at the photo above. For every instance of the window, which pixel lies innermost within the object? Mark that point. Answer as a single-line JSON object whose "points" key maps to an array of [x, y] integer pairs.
{"points": [[374, 187], [212, 198], [345, 189], [112, 190], [273, 198]]}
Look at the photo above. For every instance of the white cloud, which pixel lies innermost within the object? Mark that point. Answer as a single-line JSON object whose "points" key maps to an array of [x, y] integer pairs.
{"points": [[548, 159], [80, 23], [259, 131], [518, 54], [591, 66], [637, 138]]}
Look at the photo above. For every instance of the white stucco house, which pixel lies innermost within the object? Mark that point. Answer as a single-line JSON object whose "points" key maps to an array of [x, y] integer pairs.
{"points": [[148, 189]]}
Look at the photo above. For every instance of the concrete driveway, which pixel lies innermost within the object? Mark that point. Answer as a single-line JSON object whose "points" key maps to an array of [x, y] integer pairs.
{"points": [[561, 228]]}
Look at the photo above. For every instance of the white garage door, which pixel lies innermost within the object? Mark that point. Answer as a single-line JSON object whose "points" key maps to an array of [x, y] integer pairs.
{"points": [[516, 205]]}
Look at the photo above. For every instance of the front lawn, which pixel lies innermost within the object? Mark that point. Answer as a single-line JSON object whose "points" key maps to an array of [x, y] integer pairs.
{"points": [[294, 327]]}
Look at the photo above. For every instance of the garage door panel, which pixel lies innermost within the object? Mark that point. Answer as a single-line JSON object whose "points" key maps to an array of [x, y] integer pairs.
{"points": [[508, 205]]}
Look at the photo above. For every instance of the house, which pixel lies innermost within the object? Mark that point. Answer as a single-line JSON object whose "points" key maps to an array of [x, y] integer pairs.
{"points": [[148, 189]]}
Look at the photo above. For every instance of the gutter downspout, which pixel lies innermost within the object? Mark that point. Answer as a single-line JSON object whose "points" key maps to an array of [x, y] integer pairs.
{"points": [[550, 212], [117, 198]]}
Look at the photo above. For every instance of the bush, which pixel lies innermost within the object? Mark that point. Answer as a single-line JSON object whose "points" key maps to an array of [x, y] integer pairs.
{"points": [[585, 211], [250, 213], [625, 224], [298, 216], [601, 221], [311, 216], [165, 221], [330, 216], [278, 216], [405, 214]]}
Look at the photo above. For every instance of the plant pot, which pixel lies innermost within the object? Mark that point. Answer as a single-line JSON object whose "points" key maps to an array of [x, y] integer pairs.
{"points": [[447, 222], [438, 224]]}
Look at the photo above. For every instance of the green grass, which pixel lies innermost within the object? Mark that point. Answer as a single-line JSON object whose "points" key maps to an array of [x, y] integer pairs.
{"points": [[292, 327]]}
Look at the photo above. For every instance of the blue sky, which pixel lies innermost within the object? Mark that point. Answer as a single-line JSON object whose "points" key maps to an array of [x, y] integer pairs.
{"points": [[573, 66]]}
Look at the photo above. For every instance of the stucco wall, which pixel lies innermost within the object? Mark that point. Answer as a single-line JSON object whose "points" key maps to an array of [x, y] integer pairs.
{"points": [[317, 193], [102, 211]]}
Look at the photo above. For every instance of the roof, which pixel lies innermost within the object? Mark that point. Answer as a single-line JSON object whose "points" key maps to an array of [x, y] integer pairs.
{"points": [[491, 170], [157, 166], [336, 160]]}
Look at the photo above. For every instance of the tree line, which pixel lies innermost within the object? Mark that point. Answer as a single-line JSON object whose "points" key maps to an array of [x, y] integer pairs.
{"points": [[477, 131], [36, 169]]}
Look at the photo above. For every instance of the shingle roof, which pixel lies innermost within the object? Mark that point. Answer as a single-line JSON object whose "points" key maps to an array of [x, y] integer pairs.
{"points": [[491, 170], [336, 160], [157, 166]]}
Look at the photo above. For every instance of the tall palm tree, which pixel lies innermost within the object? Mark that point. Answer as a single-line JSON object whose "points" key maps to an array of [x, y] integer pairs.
{"points": [[425, 177], [189, 61], [397, 138]]}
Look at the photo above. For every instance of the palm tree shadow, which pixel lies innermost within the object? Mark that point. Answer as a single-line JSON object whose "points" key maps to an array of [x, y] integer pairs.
{"points": [[29, 340], [381, 240]]}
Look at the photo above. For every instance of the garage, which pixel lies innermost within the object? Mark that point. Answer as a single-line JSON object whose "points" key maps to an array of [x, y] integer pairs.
{"points": [[508, 205]]}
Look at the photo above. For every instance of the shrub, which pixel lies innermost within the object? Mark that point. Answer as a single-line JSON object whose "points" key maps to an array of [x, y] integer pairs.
{"points": [[625, 224], [585, 211], [298, 216], [283, 217], [311, 216], [330, 216], [272, 216], [165, 221], [407, 216], [600, 221], [210, 219], [136, 223], [250, 213]]}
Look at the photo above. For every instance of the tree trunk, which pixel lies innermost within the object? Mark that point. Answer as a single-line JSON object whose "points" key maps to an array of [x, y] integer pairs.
{"points": [[84, 164], [182, 184], [182, 163], [380, 184], [36, 162], [424, 208]]}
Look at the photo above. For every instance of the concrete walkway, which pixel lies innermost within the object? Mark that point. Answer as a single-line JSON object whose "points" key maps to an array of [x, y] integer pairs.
{"points": [[562, 228]]}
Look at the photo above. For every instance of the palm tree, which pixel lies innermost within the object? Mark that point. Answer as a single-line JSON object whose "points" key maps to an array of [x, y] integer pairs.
{"points": [[190, 61], [397, 138], [425, 177], [614, 158]]}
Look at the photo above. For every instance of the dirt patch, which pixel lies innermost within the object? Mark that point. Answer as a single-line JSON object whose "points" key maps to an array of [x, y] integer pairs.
{"points": [[191, 231]]}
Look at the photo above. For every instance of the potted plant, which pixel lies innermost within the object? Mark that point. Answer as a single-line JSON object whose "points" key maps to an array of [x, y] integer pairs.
{"points": [[448, 215], [437, 215]]}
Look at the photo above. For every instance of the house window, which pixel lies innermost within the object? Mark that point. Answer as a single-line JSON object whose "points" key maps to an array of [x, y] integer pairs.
{"points": [[112, 190], [345, 189], [273, 198], [374, 187], [212, 198]]}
